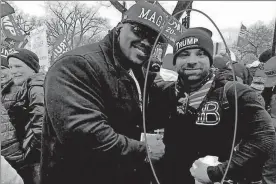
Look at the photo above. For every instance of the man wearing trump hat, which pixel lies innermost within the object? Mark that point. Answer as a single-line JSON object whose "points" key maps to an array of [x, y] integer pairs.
{"points": [[198, 111]]}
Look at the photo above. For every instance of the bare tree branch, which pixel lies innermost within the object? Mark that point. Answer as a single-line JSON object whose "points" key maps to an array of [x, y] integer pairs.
{"points": [[75, 21], [24, 21]]}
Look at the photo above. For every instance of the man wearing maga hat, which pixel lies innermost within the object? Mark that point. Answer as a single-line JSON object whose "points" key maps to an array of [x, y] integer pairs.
{"points": [[269, 170], [93, 97]]}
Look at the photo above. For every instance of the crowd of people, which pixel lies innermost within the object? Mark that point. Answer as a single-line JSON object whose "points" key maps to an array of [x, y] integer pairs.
{"points": [[82, 122]]}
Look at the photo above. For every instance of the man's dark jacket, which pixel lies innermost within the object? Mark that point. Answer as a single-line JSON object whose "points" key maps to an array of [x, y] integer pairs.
{"points": [[93, 119], [209, 131]]}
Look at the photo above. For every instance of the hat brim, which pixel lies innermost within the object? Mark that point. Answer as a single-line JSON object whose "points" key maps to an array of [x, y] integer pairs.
{"points": [[270, 82]]}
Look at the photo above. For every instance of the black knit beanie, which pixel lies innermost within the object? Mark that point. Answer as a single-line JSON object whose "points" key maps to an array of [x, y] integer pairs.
{"points": [[194, 38], [28, 57], [265, 56]]}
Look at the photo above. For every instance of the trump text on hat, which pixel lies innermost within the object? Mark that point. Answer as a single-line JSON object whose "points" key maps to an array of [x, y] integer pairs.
{"points": [[186, 42]]}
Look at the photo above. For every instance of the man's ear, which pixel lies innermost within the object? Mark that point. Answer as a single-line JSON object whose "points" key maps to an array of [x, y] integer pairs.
{"points": [[120, 24], [175, 68], [119, 27]]}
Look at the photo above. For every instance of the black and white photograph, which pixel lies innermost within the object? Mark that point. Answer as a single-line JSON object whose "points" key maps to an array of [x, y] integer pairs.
{"points": [[138, 92]]}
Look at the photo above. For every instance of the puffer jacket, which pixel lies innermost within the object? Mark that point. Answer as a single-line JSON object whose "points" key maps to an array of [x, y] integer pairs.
{"points": [[10, 143], [26, 110], [93, 118]]}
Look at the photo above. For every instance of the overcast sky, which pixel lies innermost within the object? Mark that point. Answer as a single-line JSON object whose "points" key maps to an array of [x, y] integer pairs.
{"points": [[226, 14]]}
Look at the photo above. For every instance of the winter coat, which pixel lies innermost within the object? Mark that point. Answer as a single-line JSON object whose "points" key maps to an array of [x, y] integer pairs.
{"points": [[93, 118], [209, 131], [269, 170], [273, 108], [269, 95], [10, 145], [25, 110]]}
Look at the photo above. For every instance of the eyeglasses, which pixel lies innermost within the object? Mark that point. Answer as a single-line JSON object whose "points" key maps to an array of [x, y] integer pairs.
{"points": [[144, 32]]}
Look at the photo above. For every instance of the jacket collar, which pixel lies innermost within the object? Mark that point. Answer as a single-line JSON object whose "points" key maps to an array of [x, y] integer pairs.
{"points": [[6, 86]]}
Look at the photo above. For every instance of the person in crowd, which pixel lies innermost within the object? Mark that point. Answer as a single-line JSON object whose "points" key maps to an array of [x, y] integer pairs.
{"points": [[93, 113], [9, 174], [258, 82], [155, 65], [26, 113], [198, 112], [9, 141], [5, 72], [269, 171], [270, 71], [269, 87], [265, 56], [222, 61], [259, 64]]}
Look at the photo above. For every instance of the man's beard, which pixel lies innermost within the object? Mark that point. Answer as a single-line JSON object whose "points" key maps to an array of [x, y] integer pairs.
{"points": [[185, 78]]}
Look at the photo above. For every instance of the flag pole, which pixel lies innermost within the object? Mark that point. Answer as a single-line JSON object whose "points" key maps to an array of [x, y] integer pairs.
{"points": [[124, 5], [274, 40], [239, 33]]}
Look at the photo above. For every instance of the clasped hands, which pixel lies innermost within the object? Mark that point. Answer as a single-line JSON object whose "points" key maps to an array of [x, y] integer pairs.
{"points": [[156, 147], [199, 169]]}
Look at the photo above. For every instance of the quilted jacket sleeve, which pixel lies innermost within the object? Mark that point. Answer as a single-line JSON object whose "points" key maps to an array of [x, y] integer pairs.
{"points": [[258, 135]]}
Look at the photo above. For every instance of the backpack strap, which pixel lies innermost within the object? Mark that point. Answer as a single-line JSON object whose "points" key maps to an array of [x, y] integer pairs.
{"points": [[226, 87]]}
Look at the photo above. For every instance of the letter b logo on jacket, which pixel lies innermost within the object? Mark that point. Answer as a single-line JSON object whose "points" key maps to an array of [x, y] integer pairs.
{"points": [[209, 114]]}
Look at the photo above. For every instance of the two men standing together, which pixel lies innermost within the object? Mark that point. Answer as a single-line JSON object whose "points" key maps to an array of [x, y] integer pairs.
{"points": [[93, 115]]}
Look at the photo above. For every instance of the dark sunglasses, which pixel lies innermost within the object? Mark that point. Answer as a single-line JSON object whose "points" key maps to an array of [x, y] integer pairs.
{"points": [[145, 32]]}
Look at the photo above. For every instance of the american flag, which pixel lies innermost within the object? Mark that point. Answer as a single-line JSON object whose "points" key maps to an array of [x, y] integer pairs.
{"points": [[242, 40], [243, 31]]}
